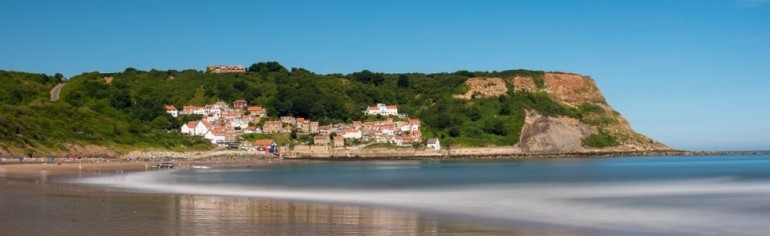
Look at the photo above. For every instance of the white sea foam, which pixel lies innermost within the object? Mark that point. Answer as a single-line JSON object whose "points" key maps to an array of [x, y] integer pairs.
{"points": [[716, 206]]}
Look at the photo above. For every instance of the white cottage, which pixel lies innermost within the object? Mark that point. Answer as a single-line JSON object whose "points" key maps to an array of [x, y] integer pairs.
{"points": [[352, 134], [216, 136], [434, 143], [199, 128], [172, 111]]}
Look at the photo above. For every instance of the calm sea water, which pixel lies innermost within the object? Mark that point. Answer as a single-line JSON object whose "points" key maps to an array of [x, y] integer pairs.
{"points": [[716, 195]]}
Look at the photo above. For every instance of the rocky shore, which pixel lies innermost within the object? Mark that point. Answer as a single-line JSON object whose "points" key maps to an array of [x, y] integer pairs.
{"points": [[318, 153], [369, 154]]}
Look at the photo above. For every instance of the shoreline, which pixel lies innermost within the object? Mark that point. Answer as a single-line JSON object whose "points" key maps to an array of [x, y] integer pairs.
{"points": [[232, 156], [89, 168]]}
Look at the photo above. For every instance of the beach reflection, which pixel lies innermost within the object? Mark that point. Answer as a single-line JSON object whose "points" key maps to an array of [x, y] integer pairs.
{"points": [[225, 215], [68, 210]]}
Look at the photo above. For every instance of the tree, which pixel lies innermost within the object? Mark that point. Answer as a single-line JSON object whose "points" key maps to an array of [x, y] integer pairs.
{"points": [[120, 100], [366, 76], [496, 127], [505, 109], [473, 113], [147, 107], [240, 85], [403, 81], [464, 73], [130, 70], [269, 66], [59, 77], [161, 122], [454, 132]]}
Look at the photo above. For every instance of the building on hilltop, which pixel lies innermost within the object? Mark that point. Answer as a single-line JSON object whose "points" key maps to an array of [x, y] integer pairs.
{"points": [[382, 109], [218, 69]]}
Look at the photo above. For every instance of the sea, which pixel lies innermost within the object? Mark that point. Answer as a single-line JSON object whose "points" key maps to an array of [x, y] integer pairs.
{"points": [[688, 195]]}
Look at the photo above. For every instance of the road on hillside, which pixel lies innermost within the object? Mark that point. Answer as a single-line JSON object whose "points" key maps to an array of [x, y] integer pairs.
{"points": [[55, 92]]}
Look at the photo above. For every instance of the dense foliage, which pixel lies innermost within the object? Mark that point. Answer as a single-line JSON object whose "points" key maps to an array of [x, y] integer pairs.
{"points": [[127, 110], [32, 124], [23, 88], [600, 140]]}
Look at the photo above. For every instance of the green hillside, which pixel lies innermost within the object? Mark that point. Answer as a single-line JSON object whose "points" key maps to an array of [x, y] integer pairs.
{"points": [[127, 113]]}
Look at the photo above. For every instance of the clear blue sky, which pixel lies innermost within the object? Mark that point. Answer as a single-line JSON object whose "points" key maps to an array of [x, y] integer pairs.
{"points": [[694, 74]]}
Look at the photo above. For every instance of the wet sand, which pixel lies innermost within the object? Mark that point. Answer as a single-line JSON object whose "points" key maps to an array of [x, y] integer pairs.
{"points": [[35, 201]]}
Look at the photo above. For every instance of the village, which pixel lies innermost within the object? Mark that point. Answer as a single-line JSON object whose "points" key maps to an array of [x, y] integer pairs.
{"points": [[225, 125]]}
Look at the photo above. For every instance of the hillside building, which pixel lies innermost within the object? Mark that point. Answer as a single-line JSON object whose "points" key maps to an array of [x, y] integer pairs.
{"points": [[218, 69], [172, 111], [382, 109]]}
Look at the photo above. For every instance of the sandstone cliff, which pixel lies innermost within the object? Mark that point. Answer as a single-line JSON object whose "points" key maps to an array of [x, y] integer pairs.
{"points": [[541, 133]]}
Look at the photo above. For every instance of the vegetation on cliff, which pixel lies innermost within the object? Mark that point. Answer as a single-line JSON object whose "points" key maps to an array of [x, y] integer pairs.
{"points": [[125, 110]]}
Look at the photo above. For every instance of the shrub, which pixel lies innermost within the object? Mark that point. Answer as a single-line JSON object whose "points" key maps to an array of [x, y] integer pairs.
{"points": [[601, 139]]}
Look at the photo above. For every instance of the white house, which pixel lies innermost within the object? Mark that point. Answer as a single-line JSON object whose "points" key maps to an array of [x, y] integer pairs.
{"points": [[352, 134], [188, 128], [386, 131], [382, 109], [409, 127], [172, 110], [212, 116], [216, 136], [239, 123], [199, 111], [434, 143], [251, 130], [195, 128], [202, 128], [398, 141]]}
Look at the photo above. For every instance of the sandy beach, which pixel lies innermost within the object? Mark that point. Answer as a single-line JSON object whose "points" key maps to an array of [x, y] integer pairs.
{"points": [[35, 200]]}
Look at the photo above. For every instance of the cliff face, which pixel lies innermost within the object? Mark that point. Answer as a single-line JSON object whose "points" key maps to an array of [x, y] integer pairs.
{"points": [[541, 133], [553, 134]]}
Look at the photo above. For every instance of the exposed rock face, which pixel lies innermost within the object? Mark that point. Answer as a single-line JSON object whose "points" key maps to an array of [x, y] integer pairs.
{"points": [[563, 134], [553, 134], [524, 84], [572, 89], [483, 87]]}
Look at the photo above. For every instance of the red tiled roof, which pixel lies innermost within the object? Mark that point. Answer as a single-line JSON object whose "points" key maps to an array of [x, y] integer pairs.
{"points": [[263, 142]]}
